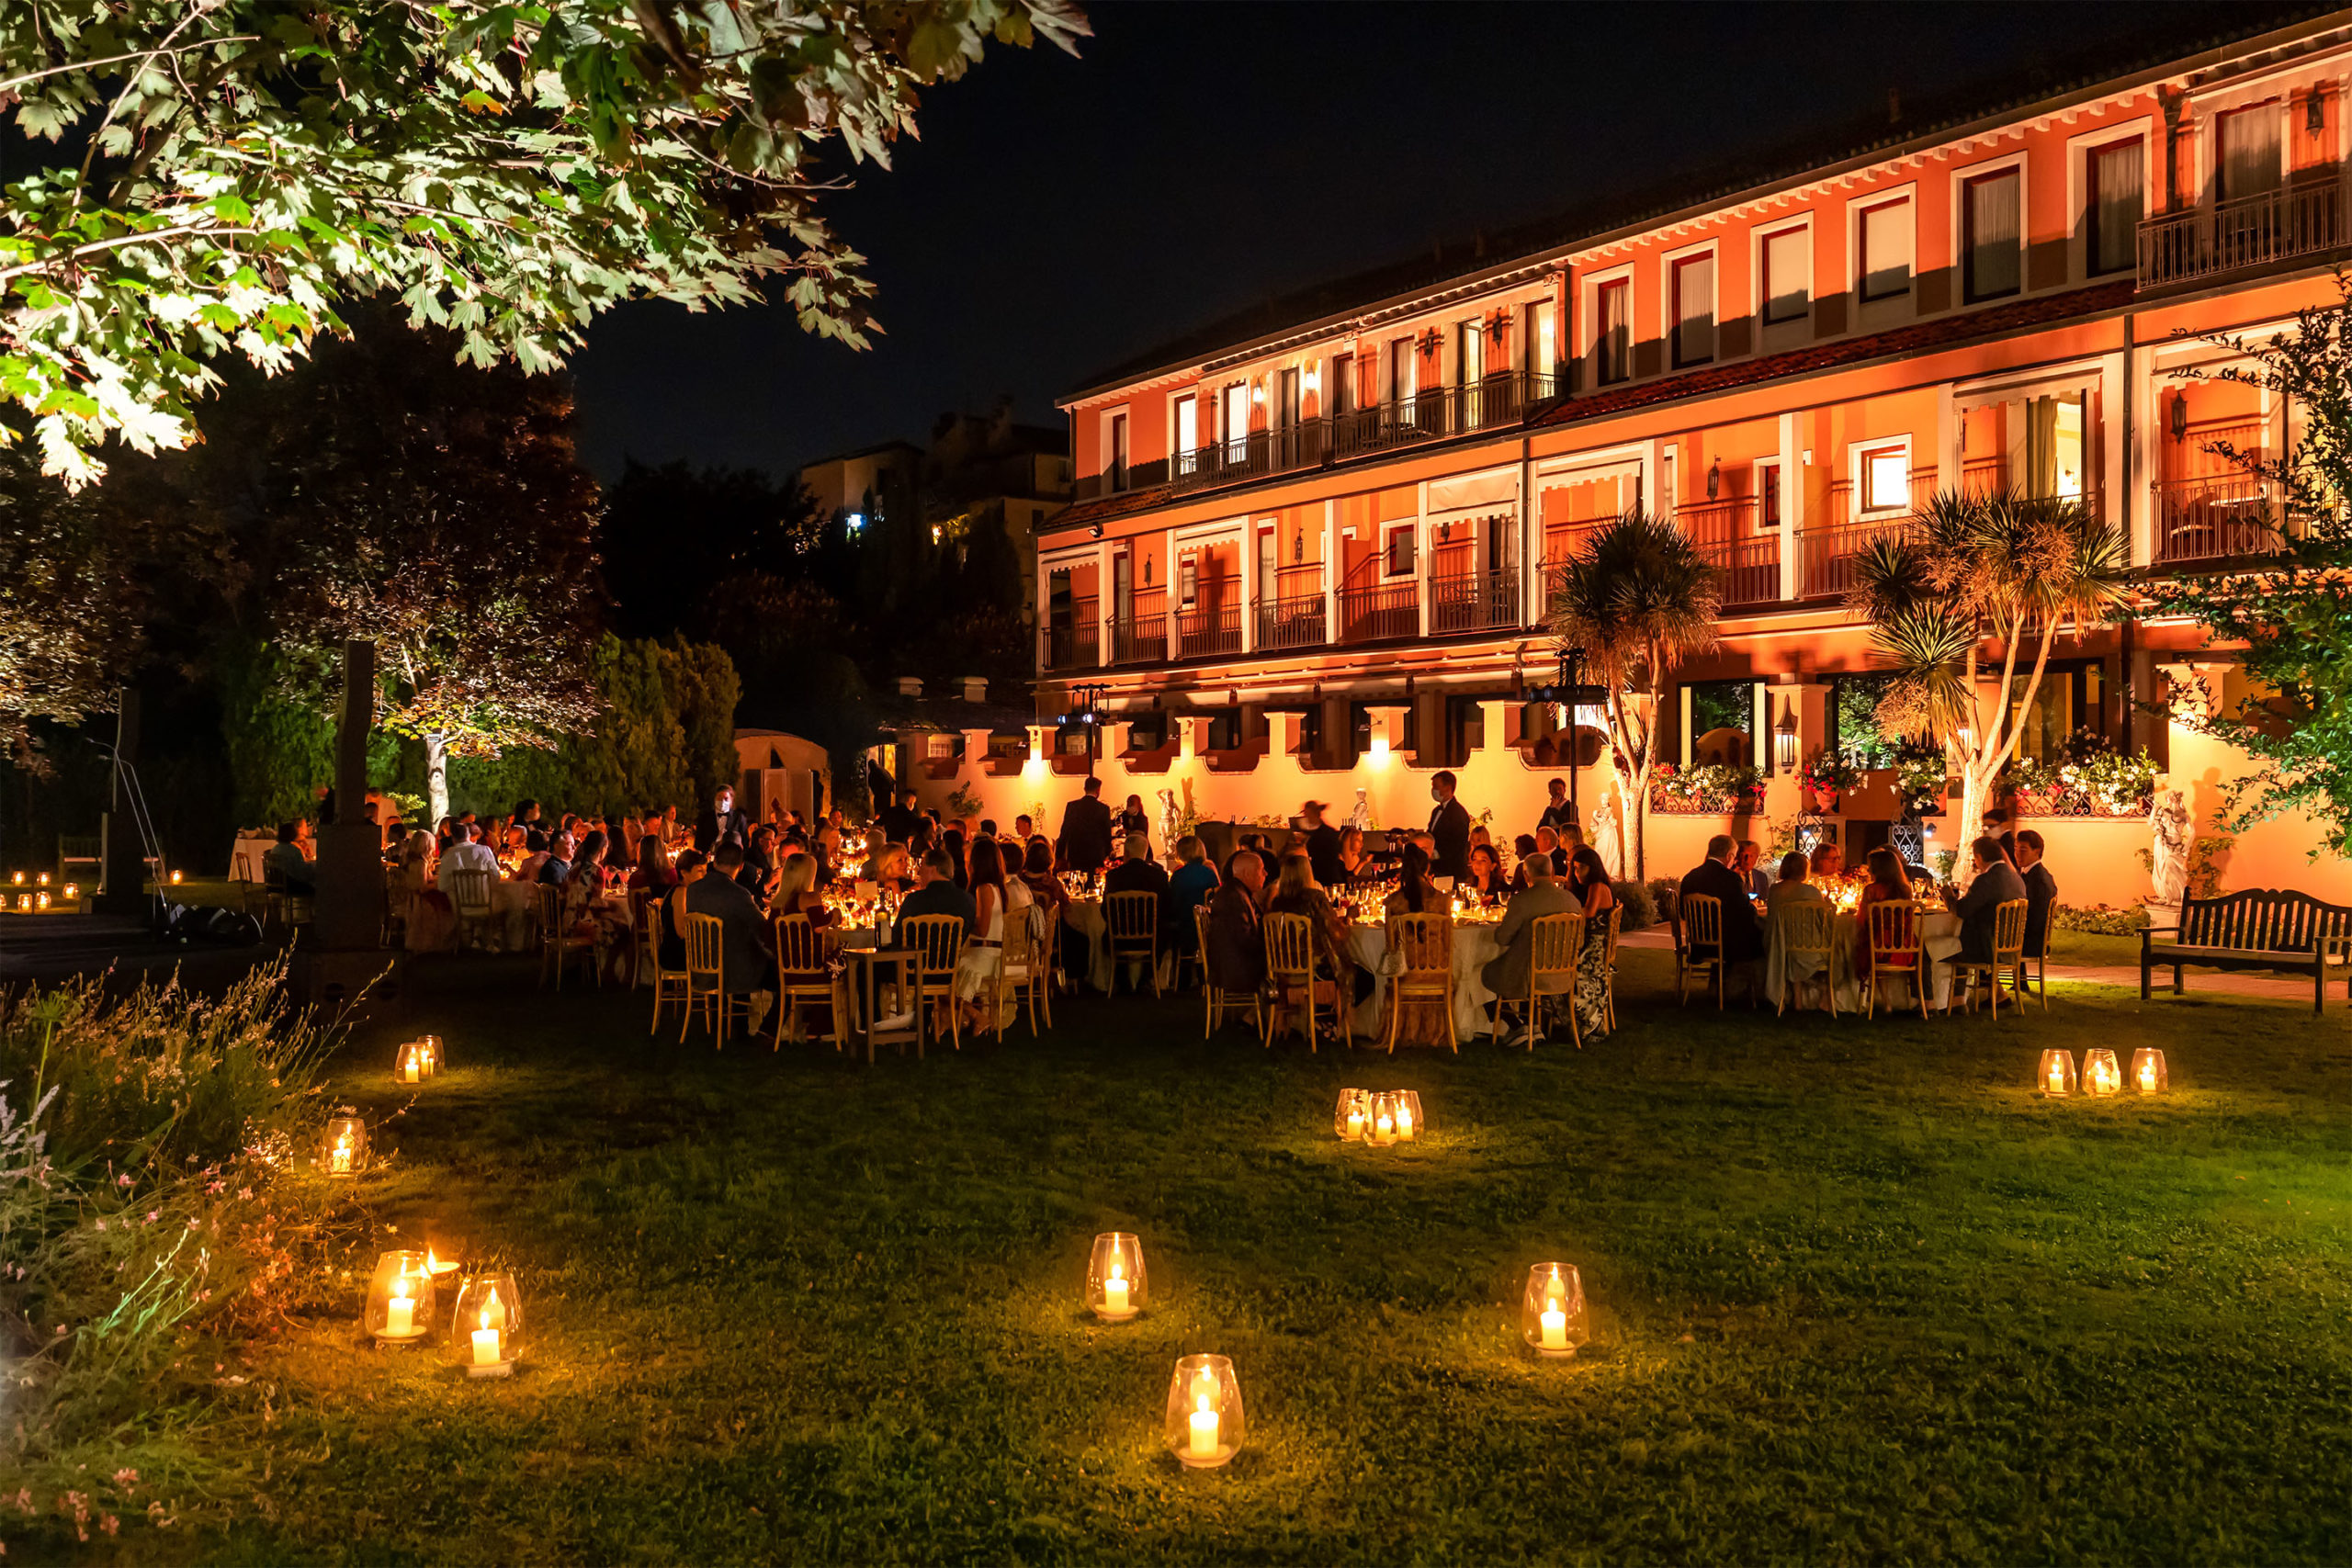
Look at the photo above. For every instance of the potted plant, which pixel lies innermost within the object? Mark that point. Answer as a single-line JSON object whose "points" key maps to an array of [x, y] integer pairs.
{"points": [[1826, 776]]}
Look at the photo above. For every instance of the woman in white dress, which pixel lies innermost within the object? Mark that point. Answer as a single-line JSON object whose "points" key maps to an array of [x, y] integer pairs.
{"points": [[994, 901]]}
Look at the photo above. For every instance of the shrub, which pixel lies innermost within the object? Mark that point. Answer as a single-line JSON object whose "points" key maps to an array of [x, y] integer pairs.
{"points": [[1664, 891], [1639, 904], [2098, 919]]}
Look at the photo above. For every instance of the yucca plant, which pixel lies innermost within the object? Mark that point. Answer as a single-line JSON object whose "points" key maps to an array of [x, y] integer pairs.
{"points": [[1980, 582], [1638, 599]]}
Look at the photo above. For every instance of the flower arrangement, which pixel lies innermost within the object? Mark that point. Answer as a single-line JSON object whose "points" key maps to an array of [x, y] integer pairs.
{"points": [[1827, 774], [1707, 790], [2089, 778], [1921, 774], [964, 802]]}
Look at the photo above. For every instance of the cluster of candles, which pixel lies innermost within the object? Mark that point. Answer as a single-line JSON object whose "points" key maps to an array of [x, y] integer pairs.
{"points": [[417, 1060], [2099, 1076], [1379, 1118], [484, 1323]]}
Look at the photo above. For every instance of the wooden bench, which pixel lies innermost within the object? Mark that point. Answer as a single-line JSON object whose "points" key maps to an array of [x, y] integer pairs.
{"points": [[2261, 929]]}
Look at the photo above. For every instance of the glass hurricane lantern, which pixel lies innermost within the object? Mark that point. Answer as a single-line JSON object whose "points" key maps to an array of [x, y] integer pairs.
{"points": [[1552, 1316], [343, 1146], [2101, 1076], [399, 1298], [2148, 1075], [1351, 1115], [1407, 1103], [2056, 1080], [1116, 1283], [1205, 1427], [486, 1332]]}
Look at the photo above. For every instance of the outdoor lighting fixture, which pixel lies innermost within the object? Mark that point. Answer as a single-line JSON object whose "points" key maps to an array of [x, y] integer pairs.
{"points": [[41, 900], [2148, 1075], [855, 521], [72, 891], [1381, 1131], [1205, 1427], [343, 1147], [44, 879], [414, 1061], [1351, 1115], [1552, 1316], [177, 877], [1378, 755], [1115, 1286], [20, 879], [2178, 416], [488, 1321], [1407, 1103], [2057, 1077], [399, 1298], [1714, 480], [1784, 738], [2101, 1076]]}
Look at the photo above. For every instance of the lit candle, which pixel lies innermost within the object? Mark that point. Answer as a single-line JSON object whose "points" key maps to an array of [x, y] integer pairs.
{"points": [[400, 1315], [1355, 1123], [437, 1266], [1556, 1325], [341, 1160], [2057, 1077], [2147, 1077], [1114, 1290], [1204, 1427], [408, 1067], [1404, 1121], [493, 1327]]}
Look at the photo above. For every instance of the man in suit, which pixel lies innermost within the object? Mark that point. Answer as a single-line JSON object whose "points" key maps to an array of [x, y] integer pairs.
{"points": [[938, 894], [1506, 974], [1085, 842], [1557, 812], [743, 937], [721, 824], [1236, 959], [1996, 882], [1450, 827], [1322, 844], [2041, 888], [1714, 878]]}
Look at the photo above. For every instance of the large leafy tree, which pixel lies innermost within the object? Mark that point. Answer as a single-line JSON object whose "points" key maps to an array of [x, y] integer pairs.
{"points": [[2290, 610], [1638, 599], [231, 169], [1978, 586], [71, 595]]}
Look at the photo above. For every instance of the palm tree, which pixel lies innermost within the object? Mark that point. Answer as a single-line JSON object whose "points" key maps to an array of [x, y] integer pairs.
{"points": [[2000, 568], [1638, 599]]}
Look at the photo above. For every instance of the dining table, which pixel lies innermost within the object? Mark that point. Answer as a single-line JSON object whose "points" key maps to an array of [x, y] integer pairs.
{"points": [[866, 960], [1939, 944], [1474, 949]]}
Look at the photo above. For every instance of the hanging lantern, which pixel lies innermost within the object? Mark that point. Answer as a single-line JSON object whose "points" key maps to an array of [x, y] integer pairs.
{"points": [[399, 1298], [343, 1146], [1552, 1316], [485, 1331], [2101, 1076], [1115, 1285], [1351, 1115], [2148, 1076], [1205, 1427], [2057, 1077], [1408, 1105]]}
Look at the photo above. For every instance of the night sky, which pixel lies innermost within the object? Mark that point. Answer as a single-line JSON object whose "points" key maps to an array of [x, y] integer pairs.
{"points": [[1060, 215]]}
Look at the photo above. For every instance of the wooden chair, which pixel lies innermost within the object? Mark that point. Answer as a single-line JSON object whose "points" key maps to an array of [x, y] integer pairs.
{"points": [[804, 977], [1608, 968], [469, 895], [1806, 931], [397, 899], [1021, 971], [669, 985], [706, 981], [939, 939], [1218, 1001], [1698, 944], [1425, 946], [244, 870], [1290, 975], [2038, 984], [1554, 943], [2008, 956], [281, 908], [1893, 934], [558, 942], [1132, 922]]}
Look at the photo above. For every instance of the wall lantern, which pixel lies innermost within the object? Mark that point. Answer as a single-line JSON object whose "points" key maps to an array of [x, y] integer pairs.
{"points": [[2315, 114], [2101, 1076], [1115, 1285], [2148, 1076], [399, 1298], [2057, 1077], [1351, 1115], [2178, 416], [484, 1334], [1784, 738], [343, 1146], [1206, 1426], [1714, 480], [1552, 1316]]}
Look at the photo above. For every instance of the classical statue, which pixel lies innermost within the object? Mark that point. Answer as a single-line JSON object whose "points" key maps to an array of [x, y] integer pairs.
{"points": [[1171, 821], [1604, 835], [1360, 818], [2168, 827]]}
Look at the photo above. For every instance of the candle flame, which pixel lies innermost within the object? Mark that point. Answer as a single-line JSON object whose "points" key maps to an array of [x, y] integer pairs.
{"points": [[1202, 1404]]}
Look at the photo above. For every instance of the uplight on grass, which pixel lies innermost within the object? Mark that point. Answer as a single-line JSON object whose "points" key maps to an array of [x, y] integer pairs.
{"points": [[2148, 1075], [1552, 1316], [399, 1298], [1206, 1426], [1116, 1283], [2101, 1076], [484, 1334], [2056, 1080], [343, 1146], [1352, 1114]]}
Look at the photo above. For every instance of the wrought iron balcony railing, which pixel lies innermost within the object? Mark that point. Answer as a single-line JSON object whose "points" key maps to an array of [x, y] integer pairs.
{"points": [[2306, 218]]}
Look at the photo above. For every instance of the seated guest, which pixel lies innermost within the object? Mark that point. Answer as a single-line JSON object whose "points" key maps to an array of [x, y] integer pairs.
{"points": [[556, 870], [588, 863], [1486, 881], [1525, 853], [1996, 882], [2041, 888], [1335, 958], [1133, 820], [951, 843], [988, 828], [891, 869], [463, 854], [1829, 861], [1236, 959], [1037, 871], [938, 894], [1137, 872], [1416, 892], [1192, 884], [1758, 881], [655, 872], [1269, 861], [1024, 830], [535, 855], [692, 866], [1355, 865], [1714, 877], [1887, 882], [758, 874], [286, 863], [1547, 847], [746, 955], [431, 917], [1792, 888], [1506, 973]]}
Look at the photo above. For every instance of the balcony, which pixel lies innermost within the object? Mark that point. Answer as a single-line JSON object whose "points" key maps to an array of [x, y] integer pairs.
{"points": [[1140, 636], [1380, 611], [1748, 555], [1074, 643], [1462, 603], [1291, 621], [2212, 517], [2301, 220], [1210, 627]]}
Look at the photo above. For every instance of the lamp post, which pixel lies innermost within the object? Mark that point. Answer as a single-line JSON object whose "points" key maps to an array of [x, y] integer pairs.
{"points": [[1567, 689], [1088, 711]]}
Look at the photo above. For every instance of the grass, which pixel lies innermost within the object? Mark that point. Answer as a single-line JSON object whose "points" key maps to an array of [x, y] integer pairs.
{"points": [[1858, 1294]]}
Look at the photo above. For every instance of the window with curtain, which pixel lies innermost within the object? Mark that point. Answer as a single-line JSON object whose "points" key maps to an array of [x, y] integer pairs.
{"points": [[1694, 309], [1886, 249], [1470, 351], [1188, 424], [1992, 256], [2248, 165], [1401, 371], [2118, 200], [1613, 338], [1788, 275]]}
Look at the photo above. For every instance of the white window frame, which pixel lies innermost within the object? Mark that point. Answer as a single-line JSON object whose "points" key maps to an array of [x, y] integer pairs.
{"points": [[1589, 288], [1855, 207], [1411, 528], [1670, 293], [1110, 418], [1960, 176], [1757, 236], [2276, 95], [2078, 158], [1860, 454], [1176, 446]]}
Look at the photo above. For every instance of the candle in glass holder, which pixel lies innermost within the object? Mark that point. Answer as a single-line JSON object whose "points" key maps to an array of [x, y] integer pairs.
{"points": [[2101, 1076], [399, 1313], [1115, 1286], [2148, 1076], [1552, 1313], [2056, 1080]]}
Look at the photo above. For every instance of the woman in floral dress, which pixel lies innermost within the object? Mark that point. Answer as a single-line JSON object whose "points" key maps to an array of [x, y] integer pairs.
{"points": [[1589, 880]]}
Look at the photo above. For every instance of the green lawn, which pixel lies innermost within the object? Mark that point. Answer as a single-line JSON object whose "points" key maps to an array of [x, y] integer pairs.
{"points": [[1858, 1294]]}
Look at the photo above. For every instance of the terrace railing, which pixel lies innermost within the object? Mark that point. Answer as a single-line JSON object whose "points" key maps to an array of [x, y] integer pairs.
{"points": [[1293, 621], [1377, 611], [2212, 517], [1474, 602], [1211, 625], [1140, 636], [1073, 644], [2302, 220]]}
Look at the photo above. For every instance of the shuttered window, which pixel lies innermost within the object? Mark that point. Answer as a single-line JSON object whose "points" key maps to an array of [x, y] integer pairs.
{"points": [[1614, 335], [2249, 149]]}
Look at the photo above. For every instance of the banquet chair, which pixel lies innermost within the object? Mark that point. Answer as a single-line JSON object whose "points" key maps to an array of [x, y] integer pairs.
{"points": [[558, 942], [1555, 943], [1132, 922], [469, 894], [1806, 933], [706, 981], [1020, 972], [2008, 956], [1220, 1002], [1424, 945], [1698, 944], [669, 985], [1608, 968], [1893, 935], [1290, 975], [939, 942], [804, 977], [2039, 982], [397, 898]]}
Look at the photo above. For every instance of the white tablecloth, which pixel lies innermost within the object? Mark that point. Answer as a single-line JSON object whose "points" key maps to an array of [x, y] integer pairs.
{"points": [[252, 846], [1939, 939], [1474, 949]]}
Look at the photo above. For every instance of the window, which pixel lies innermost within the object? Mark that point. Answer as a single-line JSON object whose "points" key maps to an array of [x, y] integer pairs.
{"points": [[1188, 424], [1401, 371], [1470, 355], [1694, 309], [1788, 275], [2248, 165], [2117, 191], [1339, 384], [1188, 579], [1886, 477], [1768, 498], [1287, 398], [1397, 559], [1237, 418], [1613, 324], [1116, 452], [1543, 338], [1991, 257], [1885, 269]]}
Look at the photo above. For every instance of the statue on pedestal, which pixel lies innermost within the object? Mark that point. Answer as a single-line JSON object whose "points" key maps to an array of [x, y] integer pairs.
{"points": [[2169, 828]]}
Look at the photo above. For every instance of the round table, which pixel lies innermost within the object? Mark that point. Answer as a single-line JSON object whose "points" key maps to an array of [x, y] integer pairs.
{"points": [[1474, 949], [1939, 944]]}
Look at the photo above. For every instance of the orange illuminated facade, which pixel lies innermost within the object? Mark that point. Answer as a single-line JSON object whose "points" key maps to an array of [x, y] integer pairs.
{"points": [[1313, 562]]}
